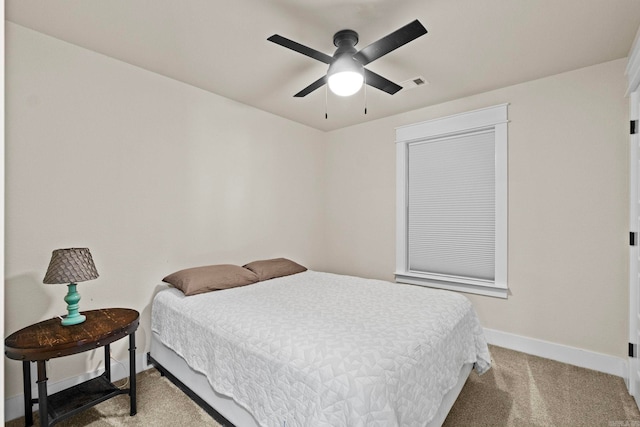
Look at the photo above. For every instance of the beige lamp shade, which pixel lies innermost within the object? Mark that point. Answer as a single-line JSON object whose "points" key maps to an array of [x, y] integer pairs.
{"points": [[71, 265]]}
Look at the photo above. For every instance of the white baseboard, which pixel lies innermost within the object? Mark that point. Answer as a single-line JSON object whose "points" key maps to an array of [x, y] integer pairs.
{"points": [[14, 406], [562, 353]]}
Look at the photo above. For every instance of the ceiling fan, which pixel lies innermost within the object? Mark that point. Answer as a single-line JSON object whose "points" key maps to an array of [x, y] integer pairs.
{"points": [[346, 72]]}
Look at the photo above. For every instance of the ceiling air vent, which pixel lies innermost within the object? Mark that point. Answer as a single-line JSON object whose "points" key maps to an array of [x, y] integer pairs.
{"points": [[414, 83]]}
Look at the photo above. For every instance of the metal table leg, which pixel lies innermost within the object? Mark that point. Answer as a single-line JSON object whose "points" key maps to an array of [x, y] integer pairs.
{"points": [[132, 373], [107, 361], [28, 402], [42, 393]]}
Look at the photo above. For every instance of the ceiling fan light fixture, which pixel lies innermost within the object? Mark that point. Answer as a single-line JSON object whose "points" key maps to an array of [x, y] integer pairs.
{"points": [[345, 76], [345, 83]]}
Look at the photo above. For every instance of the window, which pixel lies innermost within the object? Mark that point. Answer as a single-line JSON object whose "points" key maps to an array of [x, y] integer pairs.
{"points": [[452, 202]]}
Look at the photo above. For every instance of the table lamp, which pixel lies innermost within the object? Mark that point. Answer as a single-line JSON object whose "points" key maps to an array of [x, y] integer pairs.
{"points": [[70, 266]]}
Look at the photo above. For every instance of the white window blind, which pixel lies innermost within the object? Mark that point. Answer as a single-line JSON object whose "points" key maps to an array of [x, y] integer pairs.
{"points": [[451, 230], [451, 212]]}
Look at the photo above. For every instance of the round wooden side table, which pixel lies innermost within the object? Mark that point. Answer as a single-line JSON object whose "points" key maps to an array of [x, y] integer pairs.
{"points": [[49, 339]]}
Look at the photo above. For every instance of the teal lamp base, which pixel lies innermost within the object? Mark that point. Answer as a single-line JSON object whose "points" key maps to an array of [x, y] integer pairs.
{"points": [[72, 298]]}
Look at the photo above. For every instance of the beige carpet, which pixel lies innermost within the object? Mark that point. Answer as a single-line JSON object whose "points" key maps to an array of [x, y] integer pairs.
{"points": [[520, 390], [523, 390]]}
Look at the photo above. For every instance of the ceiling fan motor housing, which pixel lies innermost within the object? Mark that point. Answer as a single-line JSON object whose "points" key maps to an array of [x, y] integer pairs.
{"points": [[345, 42], [346, 38]]}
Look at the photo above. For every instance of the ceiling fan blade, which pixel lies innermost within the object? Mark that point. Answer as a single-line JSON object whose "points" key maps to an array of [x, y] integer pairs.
{"points": [[390, 42], [290, 44], [379, 82], [313, 86]]}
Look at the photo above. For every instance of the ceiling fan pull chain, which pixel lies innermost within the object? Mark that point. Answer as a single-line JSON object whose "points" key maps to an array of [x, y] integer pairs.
{"points": [[365, 94], [326, 95]]}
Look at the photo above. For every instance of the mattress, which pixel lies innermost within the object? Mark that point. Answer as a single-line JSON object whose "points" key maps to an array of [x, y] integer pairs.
{"points": [[319, 349]]}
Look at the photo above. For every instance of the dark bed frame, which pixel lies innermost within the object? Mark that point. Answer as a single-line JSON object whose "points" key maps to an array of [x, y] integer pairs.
{"points": [[193, 396]]}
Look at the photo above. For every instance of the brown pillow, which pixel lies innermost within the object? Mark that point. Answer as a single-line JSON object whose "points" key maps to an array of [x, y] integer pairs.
{"points": [[278, 267], [197, 280]]}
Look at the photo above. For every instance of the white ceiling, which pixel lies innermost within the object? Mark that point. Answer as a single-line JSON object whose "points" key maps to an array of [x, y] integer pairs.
{"points": [[472, 46]]}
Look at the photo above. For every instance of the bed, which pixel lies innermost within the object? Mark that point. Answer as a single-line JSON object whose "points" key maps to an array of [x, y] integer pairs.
{"points": [[320, 349]]}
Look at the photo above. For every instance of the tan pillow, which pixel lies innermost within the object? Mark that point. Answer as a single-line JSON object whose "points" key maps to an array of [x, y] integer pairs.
{"points": [[271, 268], [197, 280]]}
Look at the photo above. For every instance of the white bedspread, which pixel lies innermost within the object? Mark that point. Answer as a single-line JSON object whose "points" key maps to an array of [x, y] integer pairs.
{"points": [[319, 349]]}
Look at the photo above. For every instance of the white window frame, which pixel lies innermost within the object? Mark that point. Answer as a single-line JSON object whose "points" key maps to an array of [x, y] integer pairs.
{"points": [[494, 118]]}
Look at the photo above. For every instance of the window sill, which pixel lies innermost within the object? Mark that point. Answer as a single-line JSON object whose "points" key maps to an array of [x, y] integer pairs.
{"points": [[491, 291]]}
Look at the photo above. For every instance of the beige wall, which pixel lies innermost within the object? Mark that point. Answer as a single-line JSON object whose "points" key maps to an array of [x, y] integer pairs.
{"points": [[568, 208], [151, 174], [154, 175]]}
